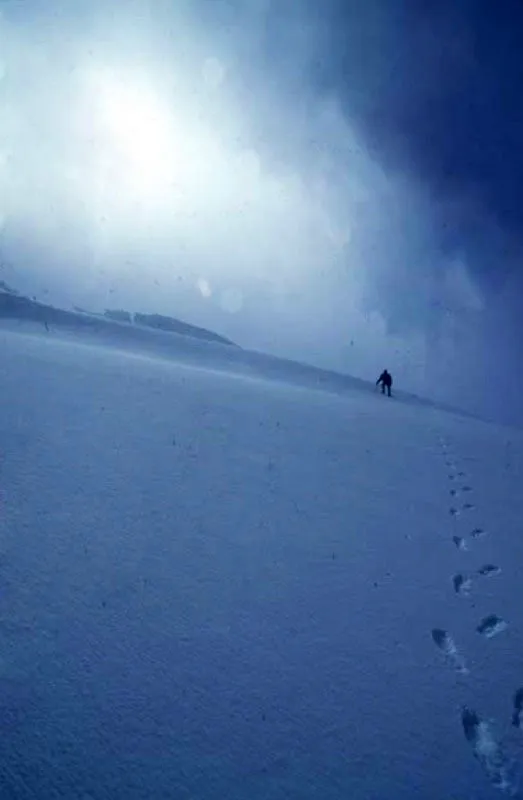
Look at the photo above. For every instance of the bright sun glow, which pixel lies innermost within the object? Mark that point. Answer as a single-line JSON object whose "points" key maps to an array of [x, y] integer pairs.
{"points": [[156, 161], [138, 130], [150, 147]]}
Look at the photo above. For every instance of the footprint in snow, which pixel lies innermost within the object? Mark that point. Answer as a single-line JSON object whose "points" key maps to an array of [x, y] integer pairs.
{"points": [[462, 584], [476, 533], [499, 769], [446, 644], [490, 626], [468, 506], [488, 570], [454, 512], [460, 542]]}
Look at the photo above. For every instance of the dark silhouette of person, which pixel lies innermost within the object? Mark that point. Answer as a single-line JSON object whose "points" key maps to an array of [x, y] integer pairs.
{"points": [[386, 381]]}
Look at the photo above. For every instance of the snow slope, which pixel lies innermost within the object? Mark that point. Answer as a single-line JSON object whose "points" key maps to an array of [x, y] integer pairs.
{"points": [[221, 586]]}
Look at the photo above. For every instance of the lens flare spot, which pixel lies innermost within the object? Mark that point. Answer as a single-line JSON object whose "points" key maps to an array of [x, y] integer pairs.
{"points": [[204, 287]]}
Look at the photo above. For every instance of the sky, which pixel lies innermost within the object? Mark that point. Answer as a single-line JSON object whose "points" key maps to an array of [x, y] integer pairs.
{"points": [[336, 182]]}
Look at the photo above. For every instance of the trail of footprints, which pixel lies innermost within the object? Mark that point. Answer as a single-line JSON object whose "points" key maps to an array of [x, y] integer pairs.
{"points": [[499, 768]]}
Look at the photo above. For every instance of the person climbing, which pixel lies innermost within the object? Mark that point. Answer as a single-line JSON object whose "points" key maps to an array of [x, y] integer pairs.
{"points": [[386, 381]]}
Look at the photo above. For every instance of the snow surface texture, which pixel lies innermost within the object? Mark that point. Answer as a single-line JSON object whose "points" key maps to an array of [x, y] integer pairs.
{"points": [[216, 586]]}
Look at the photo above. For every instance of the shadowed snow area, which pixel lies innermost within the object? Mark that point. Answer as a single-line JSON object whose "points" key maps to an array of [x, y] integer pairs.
{"points": [[219, 585], [23, 315]]}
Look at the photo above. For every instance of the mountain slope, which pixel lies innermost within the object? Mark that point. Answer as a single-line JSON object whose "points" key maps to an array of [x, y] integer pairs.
{"points": [[222, 587], [17, 307], [155, 335]]}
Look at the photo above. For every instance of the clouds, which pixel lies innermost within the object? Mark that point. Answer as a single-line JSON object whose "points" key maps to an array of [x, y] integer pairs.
{"points": [[313, 166], [107, 145]]}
